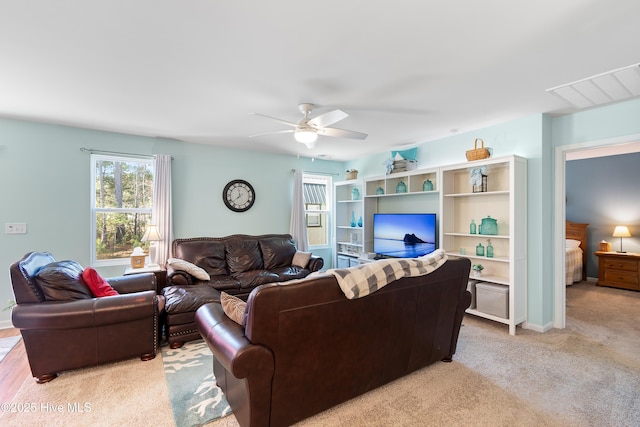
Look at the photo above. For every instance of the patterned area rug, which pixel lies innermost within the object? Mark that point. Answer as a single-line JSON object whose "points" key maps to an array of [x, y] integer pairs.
{"points": [[6, 344], [195, 398]]}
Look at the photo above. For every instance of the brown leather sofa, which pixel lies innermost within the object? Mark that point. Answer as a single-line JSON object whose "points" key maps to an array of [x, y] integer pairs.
{"points": [[64, 328], [306, 347], [236, 265]]}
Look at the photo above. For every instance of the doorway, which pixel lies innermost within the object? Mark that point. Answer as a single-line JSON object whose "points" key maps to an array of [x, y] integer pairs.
{"points": [[598, 148]]}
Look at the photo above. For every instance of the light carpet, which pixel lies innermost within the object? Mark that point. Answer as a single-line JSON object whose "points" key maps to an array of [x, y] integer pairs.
{"points": [[176, 388], [585, 375], [127, 393], [6, 344]]}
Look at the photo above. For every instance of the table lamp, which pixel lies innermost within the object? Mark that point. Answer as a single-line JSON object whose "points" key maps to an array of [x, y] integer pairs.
{"points": [[152, 235], [621, 231]]}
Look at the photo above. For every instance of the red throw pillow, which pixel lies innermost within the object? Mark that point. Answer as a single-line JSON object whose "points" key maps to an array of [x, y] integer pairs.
{"points": [[99, 287]]}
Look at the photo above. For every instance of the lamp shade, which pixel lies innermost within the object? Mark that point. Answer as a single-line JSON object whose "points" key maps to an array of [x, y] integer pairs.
{"points": [[151, 234], [621, 231]]}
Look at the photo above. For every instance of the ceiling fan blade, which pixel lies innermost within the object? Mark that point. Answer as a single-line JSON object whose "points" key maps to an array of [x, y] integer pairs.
{"points": [[327, 119], [342, 133], [272, 133], [276, 119]]}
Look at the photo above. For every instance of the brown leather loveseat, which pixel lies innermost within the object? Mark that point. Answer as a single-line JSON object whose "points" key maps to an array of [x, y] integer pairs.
{"points": [[235, 264], [305, 347]]}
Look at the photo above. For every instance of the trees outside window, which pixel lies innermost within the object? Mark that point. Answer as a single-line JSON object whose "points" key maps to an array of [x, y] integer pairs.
{"points": [[121, 204]]}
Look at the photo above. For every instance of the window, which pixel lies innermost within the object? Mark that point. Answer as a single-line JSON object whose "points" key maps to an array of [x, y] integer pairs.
{"points": [[121, 203], [317, 192]]}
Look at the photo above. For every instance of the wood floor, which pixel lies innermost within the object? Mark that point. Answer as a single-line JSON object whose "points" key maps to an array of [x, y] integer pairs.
{"points": [[14, 368]]}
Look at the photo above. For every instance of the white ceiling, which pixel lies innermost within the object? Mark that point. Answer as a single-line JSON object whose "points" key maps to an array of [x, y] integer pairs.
{"points": [[407, 72]]}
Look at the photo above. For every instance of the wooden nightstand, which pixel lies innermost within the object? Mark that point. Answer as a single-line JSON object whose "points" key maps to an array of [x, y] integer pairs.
{"points": [[619, 270], [161, 275]]}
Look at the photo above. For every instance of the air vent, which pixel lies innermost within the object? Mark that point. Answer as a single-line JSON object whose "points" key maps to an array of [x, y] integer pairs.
{"points": [[612, 86]]}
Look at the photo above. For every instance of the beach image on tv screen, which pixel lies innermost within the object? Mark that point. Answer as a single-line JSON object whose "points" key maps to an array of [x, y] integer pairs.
{"points": [[404, 235]]}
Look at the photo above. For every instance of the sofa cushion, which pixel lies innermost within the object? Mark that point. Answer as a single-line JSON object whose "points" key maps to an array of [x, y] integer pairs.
{"points": [[224, 283], [187, 299], [98, 286], [192, 269], [301, 259], [62, 281], [243, 255], [233, 307], [253, 278], [207, 254], [277, 251]]}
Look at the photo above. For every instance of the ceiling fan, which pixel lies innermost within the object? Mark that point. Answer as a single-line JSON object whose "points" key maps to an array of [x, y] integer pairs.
{"points": [[307, 129]]}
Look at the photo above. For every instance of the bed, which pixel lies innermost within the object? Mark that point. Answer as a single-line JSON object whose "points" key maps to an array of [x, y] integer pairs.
{"points": [[576, 252]]}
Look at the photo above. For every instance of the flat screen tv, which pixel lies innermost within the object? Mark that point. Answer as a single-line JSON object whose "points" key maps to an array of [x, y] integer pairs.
{"points": [[404, 235]]}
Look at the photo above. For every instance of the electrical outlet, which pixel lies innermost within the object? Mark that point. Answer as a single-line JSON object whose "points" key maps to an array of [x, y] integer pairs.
{"points": [[15, 228]]}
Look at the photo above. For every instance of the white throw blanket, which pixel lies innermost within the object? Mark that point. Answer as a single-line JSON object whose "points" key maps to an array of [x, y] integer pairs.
{"points": [[362, 280]]}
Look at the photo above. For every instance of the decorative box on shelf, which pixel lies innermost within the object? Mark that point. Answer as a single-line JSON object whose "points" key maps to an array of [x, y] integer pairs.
{"points": [[404, 165]]}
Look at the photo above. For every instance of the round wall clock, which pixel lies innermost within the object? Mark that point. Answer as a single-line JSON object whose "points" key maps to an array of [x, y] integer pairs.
{"points": [[238, 195]]}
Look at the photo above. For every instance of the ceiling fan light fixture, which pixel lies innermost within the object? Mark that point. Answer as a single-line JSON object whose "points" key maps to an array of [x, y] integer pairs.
{"points": [[307, 137]]}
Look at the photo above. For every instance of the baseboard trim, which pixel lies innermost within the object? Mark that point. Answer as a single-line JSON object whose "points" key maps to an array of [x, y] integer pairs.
{"points": [[537, 328], [6, 324]]}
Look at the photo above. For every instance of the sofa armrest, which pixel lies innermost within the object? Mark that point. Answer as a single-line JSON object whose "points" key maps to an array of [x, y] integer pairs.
{"points": [[85, 313], [249, 368], [315, 263], [230, 346], [178, 277], [134, 283]]}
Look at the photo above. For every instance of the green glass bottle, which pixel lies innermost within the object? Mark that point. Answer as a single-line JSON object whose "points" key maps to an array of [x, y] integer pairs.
{"points": [[472, 227], [479, 250], [489, 249]]}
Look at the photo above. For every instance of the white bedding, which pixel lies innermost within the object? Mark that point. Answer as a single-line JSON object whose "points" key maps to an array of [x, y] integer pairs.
{"points": [[573, 271]]}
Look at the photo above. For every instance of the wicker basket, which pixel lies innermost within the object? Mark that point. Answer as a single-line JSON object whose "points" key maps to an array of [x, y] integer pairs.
{"points": [[137, 261], [478, 153], [352, 174]]}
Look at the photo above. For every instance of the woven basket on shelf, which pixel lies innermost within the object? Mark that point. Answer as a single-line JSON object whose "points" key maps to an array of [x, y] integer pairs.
{"points": [[478, 153], [352, 174]]}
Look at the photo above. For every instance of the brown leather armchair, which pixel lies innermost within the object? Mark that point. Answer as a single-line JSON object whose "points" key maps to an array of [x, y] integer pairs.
{"points": [[76, 333]]}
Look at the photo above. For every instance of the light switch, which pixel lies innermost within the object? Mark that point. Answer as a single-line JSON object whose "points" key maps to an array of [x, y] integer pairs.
{"points": [[15, 228]]}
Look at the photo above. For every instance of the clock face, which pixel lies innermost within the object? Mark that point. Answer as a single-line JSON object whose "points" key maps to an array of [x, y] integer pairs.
{"points": [[238, 195]]}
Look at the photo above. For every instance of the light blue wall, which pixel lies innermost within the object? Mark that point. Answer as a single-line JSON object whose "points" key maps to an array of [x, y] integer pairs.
{"points": [[526, 137], [604, 192], [44, 182], [597, 124], [534, 138]]}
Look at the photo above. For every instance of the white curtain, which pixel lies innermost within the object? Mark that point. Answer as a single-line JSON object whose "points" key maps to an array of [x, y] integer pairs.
{"points": [[298, 226], [161, 214]]}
